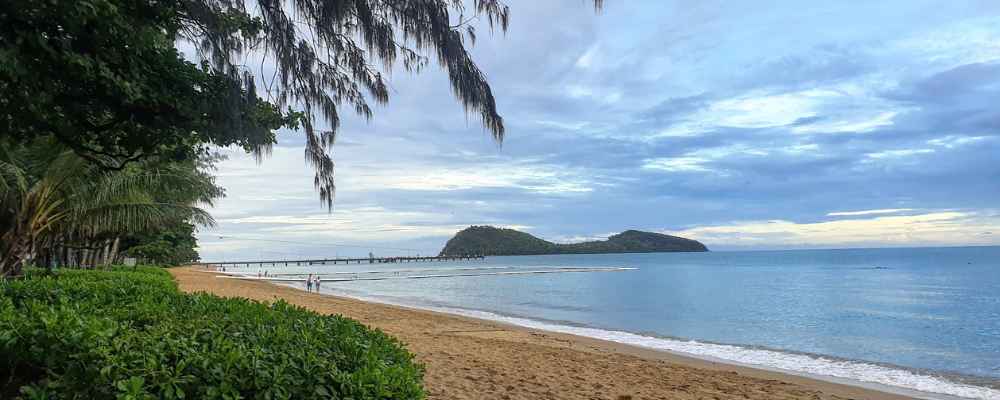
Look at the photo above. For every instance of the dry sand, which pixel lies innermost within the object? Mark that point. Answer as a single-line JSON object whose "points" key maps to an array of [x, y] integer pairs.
{"points": [[470, 359]]}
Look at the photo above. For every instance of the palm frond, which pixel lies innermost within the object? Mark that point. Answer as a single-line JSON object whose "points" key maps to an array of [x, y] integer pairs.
{"points": [[133, 217], [13, 180]]}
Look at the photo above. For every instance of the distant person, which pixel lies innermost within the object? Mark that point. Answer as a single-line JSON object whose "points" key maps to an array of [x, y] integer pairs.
{"points": [[317, 284]]}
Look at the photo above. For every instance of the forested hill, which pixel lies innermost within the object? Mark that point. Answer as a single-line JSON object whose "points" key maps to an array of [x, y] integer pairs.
{"points": [[491, 241]]}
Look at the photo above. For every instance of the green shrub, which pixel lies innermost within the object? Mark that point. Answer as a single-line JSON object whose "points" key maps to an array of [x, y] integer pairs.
{"points": [[126, 334]]}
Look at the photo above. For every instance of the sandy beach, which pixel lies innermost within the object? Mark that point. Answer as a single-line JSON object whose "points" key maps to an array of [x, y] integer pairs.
{"points": [[469, 358]]}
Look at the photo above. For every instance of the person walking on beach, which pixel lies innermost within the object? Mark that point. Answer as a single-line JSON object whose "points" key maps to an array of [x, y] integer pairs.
{"points": [[317, 284], [309, 283]]}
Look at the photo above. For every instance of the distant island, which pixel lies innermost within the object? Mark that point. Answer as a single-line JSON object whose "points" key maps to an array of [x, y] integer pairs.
{"points": [[493, 241]]}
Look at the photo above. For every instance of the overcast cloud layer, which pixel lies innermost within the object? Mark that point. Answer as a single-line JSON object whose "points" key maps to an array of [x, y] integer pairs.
{"points": [[851, 124]]}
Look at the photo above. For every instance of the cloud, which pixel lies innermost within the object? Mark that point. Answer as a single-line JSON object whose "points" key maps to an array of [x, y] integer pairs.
{"points": [[898, 153], [954, 141], [930, 229], [966, 41], [344, 231], [538, 179], [853, 107], [720, 159], [359, 224], [677, 164], [588, 58], [868, 212]]}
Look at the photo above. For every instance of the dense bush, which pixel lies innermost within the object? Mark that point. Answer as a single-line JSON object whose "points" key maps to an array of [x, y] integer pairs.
{"points": [[132, 335]]}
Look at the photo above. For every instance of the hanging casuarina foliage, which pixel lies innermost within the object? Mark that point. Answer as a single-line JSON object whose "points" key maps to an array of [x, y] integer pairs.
{"points": [[105, 76]]}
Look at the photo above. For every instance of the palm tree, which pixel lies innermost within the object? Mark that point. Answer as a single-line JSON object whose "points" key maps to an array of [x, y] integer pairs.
{"points": [[59, 207]]}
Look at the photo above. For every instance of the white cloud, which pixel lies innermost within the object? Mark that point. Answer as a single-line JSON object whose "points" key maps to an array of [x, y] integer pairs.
{"points": [[577, 91], [722, 152], [901, 153], [587, 59], [581, 238], [800, 148], [541, 179], [856, 123], [602, 95], [677, 164], [768, 110], [360, 223], [964, 42], [284, 177], [570, 126], [869, 212], [683, 129], [838, 108], [929, 229], [954, 141], [700, 160]]}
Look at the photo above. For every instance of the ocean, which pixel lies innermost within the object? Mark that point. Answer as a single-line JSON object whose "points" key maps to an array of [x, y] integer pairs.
{"points": [[920, 319]]}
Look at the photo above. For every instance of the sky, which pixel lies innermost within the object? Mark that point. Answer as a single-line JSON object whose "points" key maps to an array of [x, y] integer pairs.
{"points": [[745, 125]]}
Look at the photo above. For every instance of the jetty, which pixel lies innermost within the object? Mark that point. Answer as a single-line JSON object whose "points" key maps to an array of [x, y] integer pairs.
{"points": [[335, 261], [421, 274]]}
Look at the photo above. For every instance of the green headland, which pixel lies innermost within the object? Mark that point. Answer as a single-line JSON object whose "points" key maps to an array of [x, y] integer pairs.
{"points": [[493, 241]]}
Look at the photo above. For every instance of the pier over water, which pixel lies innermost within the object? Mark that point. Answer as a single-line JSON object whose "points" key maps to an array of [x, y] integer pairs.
{"points": [[334, 261]]}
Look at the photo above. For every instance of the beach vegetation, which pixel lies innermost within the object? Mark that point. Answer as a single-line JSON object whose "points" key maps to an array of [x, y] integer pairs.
{"points": [[59, 209], [130, 334]]}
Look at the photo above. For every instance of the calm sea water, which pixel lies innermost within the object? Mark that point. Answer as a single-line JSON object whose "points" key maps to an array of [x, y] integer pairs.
{"points": [[926, 319]]}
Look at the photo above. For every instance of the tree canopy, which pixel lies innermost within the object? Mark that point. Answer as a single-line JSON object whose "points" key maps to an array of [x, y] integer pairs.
{"points": [[106, 78]]}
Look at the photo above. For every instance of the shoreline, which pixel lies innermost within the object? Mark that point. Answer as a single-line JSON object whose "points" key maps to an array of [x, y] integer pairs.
{"points": [[882, 377], [470, 358], [571, 332]]}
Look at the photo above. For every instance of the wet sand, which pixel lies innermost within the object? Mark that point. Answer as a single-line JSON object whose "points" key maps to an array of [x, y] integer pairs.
{"points": [[469, 359]]}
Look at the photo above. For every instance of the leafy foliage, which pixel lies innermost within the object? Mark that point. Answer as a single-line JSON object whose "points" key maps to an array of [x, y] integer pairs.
{"points": [[171, 245], [105, 78], [488, 240], [131, 335], [56, 207]]}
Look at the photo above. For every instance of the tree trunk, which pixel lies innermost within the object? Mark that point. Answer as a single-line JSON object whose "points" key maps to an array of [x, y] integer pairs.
{"points": [[85, 257], [105, 251], [10, 263], [46, 258], [114, 250], [93, 255]]}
